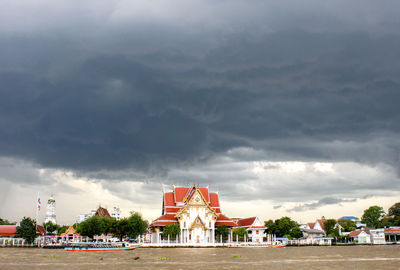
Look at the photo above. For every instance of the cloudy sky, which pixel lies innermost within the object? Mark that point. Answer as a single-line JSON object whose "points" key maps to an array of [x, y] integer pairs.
{"points": [[285, 107]]}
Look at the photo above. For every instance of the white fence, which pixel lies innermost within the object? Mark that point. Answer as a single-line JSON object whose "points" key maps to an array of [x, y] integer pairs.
{"points": [[15, 242]]}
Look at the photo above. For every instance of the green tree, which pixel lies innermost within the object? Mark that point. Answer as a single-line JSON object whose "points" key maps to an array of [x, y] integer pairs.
{"points": [[329, 226], [296, 232], [137, 225], [172, 230], [50, 227], [284, 225], [6, 222], [240, 233], [372, 216], [62, 229], [119, 228], [347, 225], [222, 230], [94, 226], [394, 215], [271, 227], [394, 210], [27, 229]]}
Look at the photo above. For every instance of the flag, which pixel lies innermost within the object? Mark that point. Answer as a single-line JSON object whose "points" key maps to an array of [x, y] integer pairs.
{"points": [[38, 203]]}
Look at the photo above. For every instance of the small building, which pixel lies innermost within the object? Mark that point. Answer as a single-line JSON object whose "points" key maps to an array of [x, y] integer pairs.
{"points": [[392, 234], [312, 233], [377, 236], [9, 231], [255, 228], [116, 213], [361, 236], [70, 235]]}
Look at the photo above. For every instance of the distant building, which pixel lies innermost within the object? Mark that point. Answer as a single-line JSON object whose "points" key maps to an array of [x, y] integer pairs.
{"points": [[361, 236], [100, 212], [254, 226], [51, 210], [116, 213]]}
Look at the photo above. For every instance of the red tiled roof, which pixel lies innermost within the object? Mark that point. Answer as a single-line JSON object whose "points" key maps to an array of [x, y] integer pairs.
{"points": [[8, 230], [41, 230], [164, 220], [246, 222], [11, 230], [311, 225], [355, 233], [321, 223], [180, 193], [204, 192], [102, 212], [169, 199], [391, 230], [214, 202], [224, 220]]}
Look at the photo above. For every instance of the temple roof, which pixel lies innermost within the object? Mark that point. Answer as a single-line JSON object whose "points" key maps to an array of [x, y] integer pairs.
{"points": [[102, 212], [176, 200]]}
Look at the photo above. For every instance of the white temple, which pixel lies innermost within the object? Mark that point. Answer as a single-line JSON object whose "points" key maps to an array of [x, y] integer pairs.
{"points": [[51, 210]]}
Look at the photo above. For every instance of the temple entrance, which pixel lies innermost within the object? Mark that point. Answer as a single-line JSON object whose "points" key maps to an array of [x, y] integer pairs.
{"points": [[198, 239]]}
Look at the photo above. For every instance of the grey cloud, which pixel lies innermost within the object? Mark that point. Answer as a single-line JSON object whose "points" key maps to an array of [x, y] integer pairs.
{"points": [[140, 95], [320, 203]]}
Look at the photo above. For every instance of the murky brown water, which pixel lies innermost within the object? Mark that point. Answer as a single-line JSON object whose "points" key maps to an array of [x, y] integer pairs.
{"points": [[348, 257]]}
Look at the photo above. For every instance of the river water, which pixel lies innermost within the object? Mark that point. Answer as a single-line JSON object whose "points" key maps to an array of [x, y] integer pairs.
{"points": [[333, 257]]}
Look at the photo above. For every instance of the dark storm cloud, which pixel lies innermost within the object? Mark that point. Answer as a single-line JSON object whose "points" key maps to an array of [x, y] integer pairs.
{"points": [[139, 94]]}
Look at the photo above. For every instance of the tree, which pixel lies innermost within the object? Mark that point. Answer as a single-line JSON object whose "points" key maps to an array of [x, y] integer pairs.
{"points": [[372, 216], [222, 230], [271, 227], [240, 233], [296, 232], [137, 225], [172, 230], [6, 222], [27, 229], [284, 226], [329, 226], [394, 210], [93, 226], [347, 225], [119, 228], [62, 229], [50, 227]]}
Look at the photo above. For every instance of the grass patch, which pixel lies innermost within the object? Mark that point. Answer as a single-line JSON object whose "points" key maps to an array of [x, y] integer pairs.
{"points": [[163, 259], [236, 256]]}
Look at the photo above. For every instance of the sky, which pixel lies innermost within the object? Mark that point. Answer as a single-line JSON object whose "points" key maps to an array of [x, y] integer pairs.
{"points": [[286, 108]]}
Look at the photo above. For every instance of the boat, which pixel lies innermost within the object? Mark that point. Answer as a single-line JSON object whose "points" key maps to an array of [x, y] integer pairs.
{"points": [[101, 247]]}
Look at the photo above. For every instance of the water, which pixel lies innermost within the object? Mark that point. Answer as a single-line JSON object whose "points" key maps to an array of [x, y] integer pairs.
{"points": [[346, 257]]}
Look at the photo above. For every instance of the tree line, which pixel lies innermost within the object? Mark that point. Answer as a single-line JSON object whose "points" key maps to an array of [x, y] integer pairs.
{"points": [[131, 227]]}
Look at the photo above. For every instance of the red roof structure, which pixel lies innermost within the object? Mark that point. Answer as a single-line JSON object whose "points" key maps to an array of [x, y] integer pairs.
{"points": [[8, 230], [311, 225], [11, 231], [102, 212], [321, 223], [246, 222], [176, 200]]}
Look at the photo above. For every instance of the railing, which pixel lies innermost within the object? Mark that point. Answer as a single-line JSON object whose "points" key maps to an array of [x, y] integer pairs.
{"points": [[15, 242]]}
